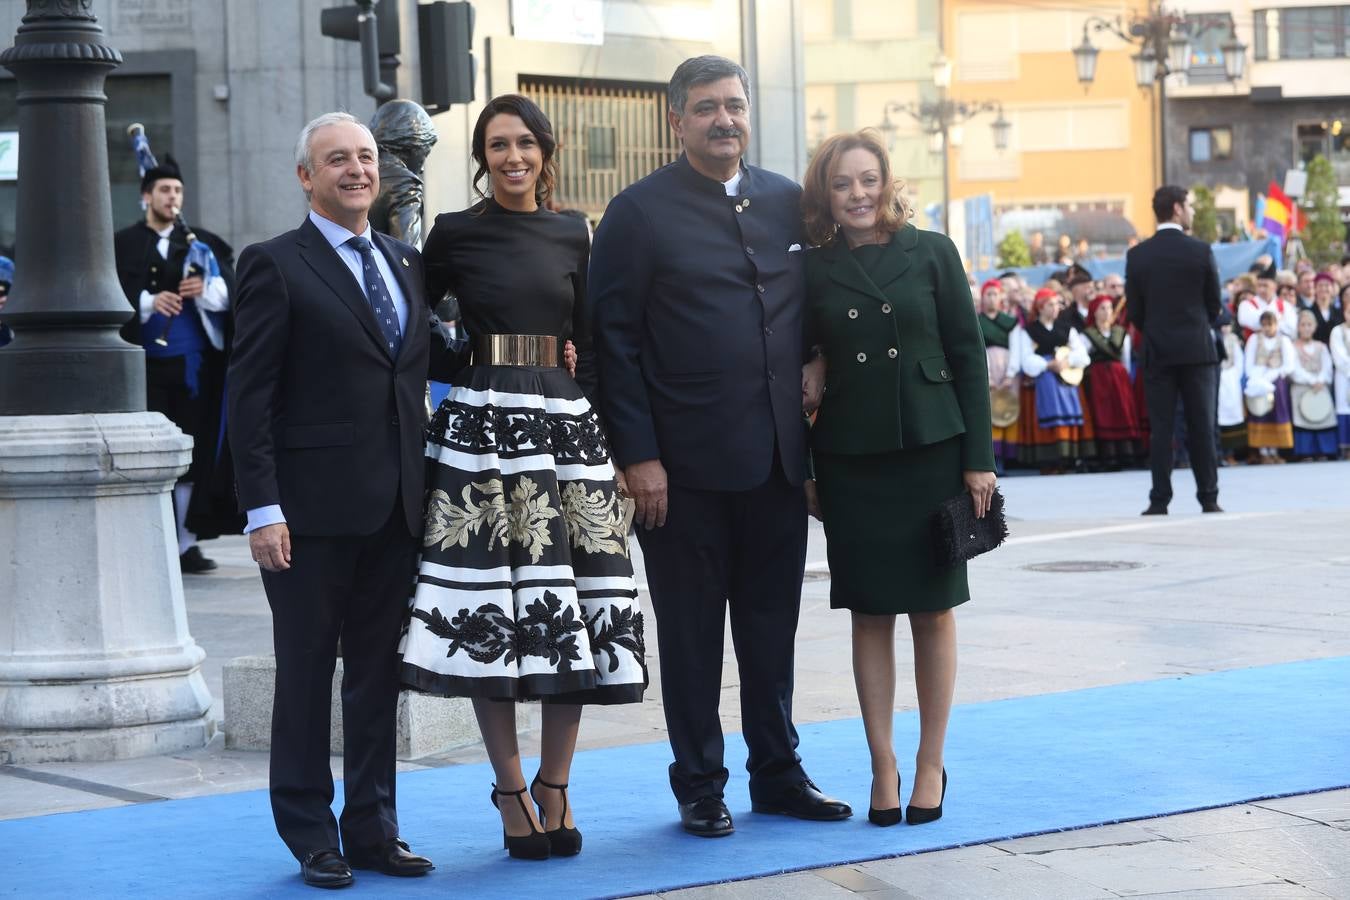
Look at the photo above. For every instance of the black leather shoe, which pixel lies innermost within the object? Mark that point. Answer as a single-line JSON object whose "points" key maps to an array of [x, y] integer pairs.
{"points": [[193, 563], [1211, 506], [706, 817], [1155, 509], [804, 801], [390, 858], [326, 869]]}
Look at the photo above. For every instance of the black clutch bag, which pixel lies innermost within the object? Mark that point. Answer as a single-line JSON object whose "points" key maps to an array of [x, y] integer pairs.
{"points": [[958, 536]]}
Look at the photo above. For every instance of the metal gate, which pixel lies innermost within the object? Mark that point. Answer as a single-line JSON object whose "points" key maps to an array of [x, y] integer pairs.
{"points": [[609, 136]]}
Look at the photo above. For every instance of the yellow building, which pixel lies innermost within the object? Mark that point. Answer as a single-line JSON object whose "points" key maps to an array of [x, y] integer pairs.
{"points": [[863, 57], [1078, 159]]}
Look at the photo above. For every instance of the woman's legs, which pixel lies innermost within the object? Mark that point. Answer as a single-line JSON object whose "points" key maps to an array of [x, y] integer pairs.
{"points": [[874, 675], [558, 744], [497, 722], [935, 680]]}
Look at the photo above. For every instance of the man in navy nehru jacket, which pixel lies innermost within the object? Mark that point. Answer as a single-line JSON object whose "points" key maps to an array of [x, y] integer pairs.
{"points": [[697, 288]]}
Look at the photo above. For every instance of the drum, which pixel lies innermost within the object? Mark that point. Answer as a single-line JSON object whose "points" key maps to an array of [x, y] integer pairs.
{"points": [[1260, 404], [1313, 410], [1072, 376], [1004, 406]]}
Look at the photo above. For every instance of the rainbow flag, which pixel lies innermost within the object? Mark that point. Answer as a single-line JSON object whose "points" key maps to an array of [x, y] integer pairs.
{"points": [[1279, 213]]}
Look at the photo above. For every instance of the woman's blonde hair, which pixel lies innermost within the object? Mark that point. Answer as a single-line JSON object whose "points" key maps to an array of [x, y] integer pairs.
{"points": [[892, 211]]}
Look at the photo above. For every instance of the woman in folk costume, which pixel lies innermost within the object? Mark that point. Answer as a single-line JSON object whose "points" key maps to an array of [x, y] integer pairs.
{"points": [[525, 588], [997, 327], [1052, 434], [1327, 313], [1310, 400], [1269, 361], [1232, 414], [1340, 357], [1110, 395]]}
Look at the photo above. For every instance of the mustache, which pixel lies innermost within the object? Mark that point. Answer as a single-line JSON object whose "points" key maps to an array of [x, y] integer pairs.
{"points": [[718, 132]]}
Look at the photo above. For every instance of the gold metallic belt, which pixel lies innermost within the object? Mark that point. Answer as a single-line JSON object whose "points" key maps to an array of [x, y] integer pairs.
{"points": [[516, 350]]}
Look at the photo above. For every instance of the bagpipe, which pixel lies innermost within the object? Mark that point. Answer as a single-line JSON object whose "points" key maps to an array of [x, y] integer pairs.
{"points": [[201, 261]]}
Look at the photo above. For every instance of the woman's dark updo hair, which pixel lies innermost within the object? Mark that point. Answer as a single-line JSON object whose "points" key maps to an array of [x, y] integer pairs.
{"points": [[525, 109]]}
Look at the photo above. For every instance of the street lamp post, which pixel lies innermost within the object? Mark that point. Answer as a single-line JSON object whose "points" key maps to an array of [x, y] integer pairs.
{"points": [[1164, 41], [942, 121]]}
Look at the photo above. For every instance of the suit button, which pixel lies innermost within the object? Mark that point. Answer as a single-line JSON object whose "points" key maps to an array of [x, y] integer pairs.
{"points": [[740, 207], [768, 332], [771, 374], [760, 288], [394, 421], [892, 353], [944, 374], [750, 251], [853, 314], [885, 307], [862, 357]]}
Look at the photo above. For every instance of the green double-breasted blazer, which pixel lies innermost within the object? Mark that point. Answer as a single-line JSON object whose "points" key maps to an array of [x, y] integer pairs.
{"points": [[905, 360]]}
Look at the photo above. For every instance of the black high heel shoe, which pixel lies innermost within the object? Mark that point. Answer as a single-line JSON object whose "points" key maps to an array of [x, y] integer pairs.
{"points": [[922, 815], [562, 840], [886, 817], [534, 845]]}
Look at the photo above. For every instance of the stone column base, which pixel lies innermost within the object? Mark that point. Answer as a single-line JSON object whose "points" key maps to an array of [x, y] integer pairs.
{"points": [[426, 724]]}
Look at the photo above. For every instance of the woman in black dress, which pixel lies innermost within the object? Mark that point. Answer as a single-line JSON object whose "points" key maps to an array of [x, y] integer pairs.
{"points": [[525, 589]]}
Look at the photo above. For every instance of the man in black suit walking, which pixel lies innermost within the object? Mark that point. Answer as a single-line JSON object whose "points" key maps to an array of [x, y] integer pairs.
{"points": [[697, 283], [326, 385], [1172, 292]]}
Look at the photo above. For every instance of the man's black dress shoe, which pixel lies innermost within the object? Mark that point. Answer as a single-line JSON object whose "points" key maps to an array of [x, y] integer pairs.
{"points": [[1155, 509], [804, 801], [1211, 506], [326, 869], [193, 563], [391, 858], [706, 817]]}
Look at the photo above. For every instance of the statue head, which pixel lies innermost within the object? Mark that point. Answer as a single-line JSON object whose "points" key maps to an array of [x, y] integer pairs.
{"points": [[403, 128]]}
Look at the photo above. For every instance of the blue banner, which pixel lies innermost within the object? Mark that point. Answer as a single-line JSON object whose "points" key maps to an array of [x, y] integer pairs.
{"points": [[1233, 260]]}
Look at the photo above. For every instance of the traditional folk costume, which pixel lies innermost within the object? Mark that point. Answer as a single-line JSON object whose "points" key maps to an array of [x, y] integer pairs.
{"points": [[185, 362], [1232, 413], [1053, 428], [1340, 356], [1312, 373], [1269, 362], [1110, 394], [525, 587], [997, 331], [1249, 316]]}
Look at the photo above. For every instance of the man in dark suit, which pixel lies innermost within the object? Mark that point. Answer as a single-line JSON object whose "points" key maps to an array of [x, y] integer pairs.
{"points": [[697, 283], [326, 385], [1172, 288]]}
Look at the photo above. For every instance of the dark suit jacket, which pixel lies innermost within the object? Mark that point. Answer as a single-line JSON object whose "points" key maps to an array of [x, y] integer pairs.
{"points": [[1172, 292], [321, 419], [906, 361], [698, 307]]}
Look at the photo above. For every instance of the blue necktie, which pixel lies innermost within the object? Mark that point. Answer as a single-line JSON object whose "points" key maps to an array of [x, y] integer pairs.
{"points": [[377, 295]]}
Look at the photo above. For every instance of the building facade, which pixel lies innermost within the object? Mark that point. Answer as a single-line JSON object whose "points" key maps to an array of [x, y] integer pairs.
{"points": [[1079, 162], [1292, 104], [226, 86], [863, 59]]}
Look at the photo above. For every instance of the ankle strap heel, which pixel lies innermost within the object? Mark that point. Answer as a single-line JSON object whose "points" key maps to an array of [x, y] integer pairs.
{"points": [[534, 845], [562, 840]]}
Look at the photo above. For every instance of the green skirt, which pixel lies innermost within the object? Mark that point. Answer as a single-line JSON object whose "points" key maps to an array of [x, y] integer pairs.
{"points": [[877, 510]]}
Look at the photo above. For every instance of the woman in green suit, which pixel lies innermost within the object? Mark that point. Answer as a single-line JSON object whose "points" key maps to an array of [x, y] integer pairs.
{"points": [[903, 425]]}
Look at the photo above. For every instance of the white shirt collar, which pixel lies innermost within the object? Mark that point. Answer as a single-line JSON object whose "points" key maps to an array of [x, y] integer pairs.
{"points": [[1163, 226], [336, 235], [733, 184]]}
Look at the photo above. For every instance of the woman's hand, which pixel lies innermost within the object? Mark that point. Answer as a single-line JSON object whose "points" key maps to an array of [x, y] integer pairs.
{"points": [[980, 486], [813, 384], [812, 499], [570, 358]]}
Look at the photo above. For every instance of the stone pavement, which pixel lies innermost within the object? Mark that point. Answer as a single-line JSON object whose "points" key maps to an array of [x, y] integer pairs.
{"points": [[1264, 583]]}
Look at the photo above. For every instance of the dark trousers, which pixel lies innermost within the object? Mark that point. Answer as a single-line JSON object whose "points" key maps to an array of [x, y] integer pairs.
{"points": [[745, 549], [166, 392], [355, 588], [1196, 387]]}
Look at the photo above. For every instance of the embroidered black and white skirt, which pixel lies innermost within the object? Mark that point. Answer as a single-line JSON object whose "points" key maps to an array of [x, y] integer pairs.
{"points": [[525, 588]]}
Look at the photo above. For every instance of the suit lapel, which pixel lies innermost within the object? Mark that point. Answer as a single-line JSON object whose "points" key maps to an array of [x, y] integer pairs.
{"points": [[398, 264], [895, 261], [324, 260]]}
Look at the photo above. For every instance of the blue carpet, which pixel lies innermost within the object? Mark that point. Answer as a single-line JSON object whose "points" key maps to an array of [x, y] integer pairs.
{"points": [[1018, 767]]}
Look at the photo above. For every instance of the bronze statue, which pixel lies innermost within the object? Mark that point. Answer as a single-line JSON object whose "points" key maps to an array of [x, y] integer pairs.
{"points": [[404, 133]]}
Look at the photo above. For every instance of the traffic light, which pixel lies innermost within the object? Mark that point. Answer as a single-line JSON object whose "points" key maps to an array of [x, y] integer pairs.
{"points": [[445, 34], [379, 52]]}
